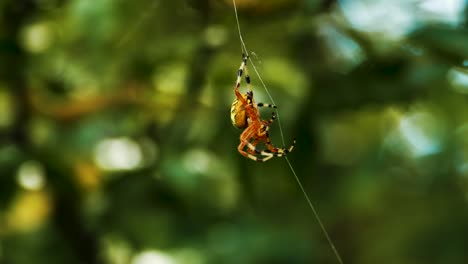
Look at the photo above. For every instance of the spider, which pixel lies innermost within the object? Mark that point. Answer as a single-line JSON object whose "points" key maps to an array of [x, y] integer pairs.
{"points": [[245, 115]]}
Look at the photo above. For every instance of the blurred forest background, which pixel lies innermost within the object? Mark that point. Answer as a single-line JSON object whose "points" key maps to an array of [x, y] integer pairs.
{"points": [[116, 143]]}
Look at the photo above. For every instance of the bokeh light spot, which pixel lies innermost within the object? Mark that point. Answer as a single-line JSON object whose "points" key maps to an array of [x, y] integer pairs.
{"points": [[445, 11], [345, 53], [37, 38], [393, 19], [31, 175], [116, 249], [197, 161], [421, 132], [171, 79], [153, 257], [458, 79], [215, 35], [29, 210], [118, 154]]}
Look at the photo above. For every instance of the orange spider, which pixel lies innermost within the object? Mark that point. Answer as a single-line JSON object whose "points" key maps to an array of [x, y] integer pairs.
{"points": [[245, 115]]}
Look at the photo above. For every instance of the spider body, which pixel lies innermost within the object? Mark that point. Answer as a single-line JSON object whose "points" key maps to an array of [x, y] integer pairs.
{"points": [[238, 113], [245, 115]]}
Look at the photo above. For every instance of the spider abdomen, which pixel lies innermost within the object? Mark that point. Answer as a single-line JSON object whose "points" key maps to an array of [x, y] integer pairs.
{"points": [[238, 115]]}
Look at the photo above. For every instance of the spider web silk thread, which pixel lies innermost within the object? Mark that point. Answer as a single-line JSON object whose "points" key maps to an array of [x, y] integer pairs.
{"points": [[299, 183]]}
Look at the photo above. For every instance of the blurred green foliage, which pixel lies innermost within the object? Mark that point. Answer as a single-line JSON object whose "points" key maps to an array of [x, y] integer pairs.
{"points": [[116, 144]]}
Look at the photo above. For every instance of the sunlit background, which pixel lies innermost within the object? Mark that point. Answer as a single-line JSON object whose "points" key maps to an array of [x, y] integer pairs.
{"points": [[117, 147]]}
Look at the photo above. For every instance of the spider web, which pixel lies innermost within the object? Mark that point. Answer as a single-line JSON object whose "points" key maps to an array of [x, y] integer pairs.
{"points": [[311, 205]]}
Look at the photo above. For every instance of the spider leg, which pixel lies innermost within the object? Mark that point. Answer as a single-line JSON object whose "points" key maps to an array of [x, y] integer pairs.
{"points": [[245, 137], [256, 154], [278, 152], [262, 134], [252, 147], [262, 159], [239, 78], [266, 105], [273, 117], [247, 76], [254, 143]]}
